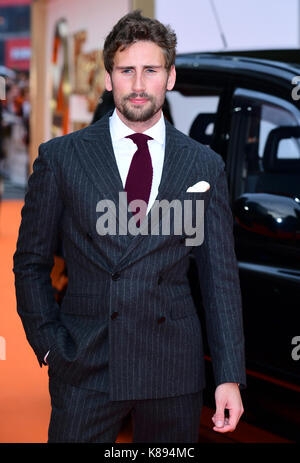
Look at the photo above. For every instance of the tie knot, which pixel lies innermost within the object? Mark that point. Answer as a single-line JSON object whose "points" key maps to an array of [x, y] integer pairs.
{"points": [[140, 139]]}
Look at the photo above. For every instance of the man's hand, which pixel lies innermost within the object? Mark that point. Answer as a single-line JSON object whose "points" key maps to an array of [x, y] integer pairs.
{"points": [[227, 396]]}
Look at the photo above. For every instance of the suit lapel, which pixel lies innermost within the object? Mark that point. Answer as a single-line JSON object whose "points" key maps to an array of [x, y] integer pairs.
{"points": [[99, 162]]}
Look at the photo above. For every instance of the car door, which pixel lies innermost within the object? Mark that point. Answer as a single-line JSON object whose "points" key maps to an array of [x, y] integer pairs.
{"points": [[269, 260]]}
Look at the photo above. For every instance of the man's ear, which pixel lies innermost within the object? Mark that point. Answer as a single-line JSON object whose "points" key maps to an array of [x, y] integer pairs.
{"points": [[171, 78], [108, 82]]}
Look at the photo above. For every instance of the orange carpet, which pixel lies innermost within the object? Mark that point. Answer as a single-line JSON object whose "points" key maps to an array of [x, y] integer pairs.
{"points": [[24, 396], [24, 400]]}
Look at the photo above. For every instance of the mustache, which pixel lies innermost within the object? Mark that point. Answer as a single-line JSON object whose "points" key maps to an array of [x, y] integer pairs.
{"points": [[138, 95]]}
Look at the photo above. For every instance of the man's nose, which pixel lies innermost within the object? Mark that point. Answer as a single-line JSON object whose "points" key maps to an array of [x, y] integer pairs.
{"points": [[138, 83]]}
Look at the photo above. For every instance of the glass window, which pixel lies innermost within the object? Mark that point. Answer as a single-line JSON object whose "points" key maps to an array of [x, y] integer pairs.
{"points": [[263, 170], [289, 148], [272, 117], [194, 115]]}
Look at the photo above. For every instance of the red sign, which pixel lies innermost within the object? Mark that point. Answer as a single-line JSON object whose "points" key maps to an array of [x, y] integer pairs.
{"points": [[14, 2], [17, 54]]}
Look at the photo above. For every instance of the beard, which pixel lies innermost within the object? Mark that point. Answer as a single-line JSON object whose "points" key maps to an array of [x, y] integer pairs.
{"points": [[138, 113]]}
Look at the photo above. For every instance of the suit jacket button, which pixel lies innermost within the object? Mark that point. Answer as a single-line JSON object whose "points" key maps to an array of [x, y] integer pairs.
{"points": [[161, 320], [89, 237], [159, 281], [116, 276], [114, 315]]}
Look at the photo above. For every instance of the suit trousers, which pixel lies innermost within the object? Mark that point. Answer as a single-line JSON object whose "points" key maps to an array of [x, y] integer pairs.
{"points": [[82, 415]]}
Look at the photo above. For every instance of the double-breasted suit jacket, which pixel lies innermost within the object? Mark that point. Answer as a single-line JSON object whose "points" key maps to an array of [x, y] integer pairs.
{"points": [[127, 323]]}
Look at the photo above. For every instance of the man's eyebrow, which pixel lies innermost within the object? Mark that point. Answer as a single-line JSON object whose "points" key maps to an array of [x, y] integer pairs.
{"points": [[156, 66]]}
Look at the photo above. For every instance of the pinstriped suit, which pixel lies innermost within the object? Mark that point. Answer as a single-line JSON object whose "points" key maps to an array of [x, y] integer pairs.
{"points": [[127, 326]]}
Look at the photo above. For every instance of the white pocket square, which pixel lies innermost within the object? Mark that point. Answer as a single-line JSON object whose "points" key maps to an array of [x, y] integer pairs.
{"points": [[199, 187]]}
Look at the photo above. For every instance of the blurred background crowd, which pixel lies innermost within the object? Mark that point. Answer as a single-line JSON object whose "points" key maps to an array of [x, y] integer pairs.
{"points": [[14, 140], [15, 54]]}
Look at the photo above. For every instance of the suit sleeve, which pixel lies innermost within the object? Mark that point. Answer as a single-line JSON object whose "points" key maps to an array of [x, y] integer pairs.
{"points": [[220, 287], [34, 257]]}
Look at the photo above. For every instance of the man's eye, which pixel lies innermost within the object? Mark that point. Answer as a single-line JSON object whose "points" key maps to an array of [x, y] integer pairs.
{"points": [[151, 70], [126, 71]]}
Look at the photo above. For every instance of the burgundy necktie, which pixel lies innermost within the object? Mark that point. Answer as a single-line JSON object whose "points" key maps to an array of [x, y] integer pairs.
{"points": [[139, 178]]}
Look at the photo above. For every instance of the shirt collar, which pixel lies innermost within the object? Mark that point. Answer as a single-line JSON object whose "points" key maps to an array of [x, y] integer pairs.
{"points": [[120, 130]]}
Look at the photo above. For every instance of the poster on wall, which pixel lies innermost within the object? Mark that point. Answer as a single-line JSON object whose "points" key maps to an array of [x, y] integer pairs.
{"points": [[77, 80]]}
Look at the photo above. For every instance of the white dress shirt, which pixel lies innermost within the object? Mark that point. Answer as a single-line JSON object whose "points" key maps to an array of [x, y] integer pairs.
{"points": [[124, 149]]}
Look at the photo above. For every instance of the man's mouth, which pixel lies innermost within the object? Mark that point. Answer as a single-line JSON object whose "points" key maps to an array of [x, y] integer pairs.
{"points": [[138, 101]]}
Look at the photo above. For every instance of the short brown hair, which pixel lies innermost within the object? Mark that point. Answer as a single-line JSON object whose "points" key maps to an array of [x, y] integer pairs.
{"points": [[134, 27]]}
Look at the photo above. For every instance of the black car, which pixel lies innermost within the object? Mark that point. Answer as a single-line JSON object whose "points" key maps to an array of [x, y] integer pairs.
{"points": [[248, 110]]}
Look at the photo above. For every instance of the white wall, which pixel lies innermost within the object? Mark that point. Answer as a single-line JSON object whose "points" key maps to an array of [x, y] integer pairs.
{"points": [[247, 24]]}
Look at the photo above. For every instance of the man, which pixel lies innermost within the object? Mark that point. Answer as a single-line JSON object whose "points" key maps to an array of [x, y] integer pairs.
{"points": [[127, 337]]}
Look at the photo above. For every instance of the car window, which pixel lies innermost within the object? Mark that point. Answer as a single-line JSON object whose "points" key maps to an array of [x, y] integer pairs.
{"points": [[194, 115], [262, 172], [289, 148], [272, 117]]}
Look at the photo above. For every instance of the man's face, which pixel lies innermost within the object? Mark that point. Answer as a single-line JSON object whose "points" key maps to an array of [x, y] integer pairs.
{"points": [[139, 81]]}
